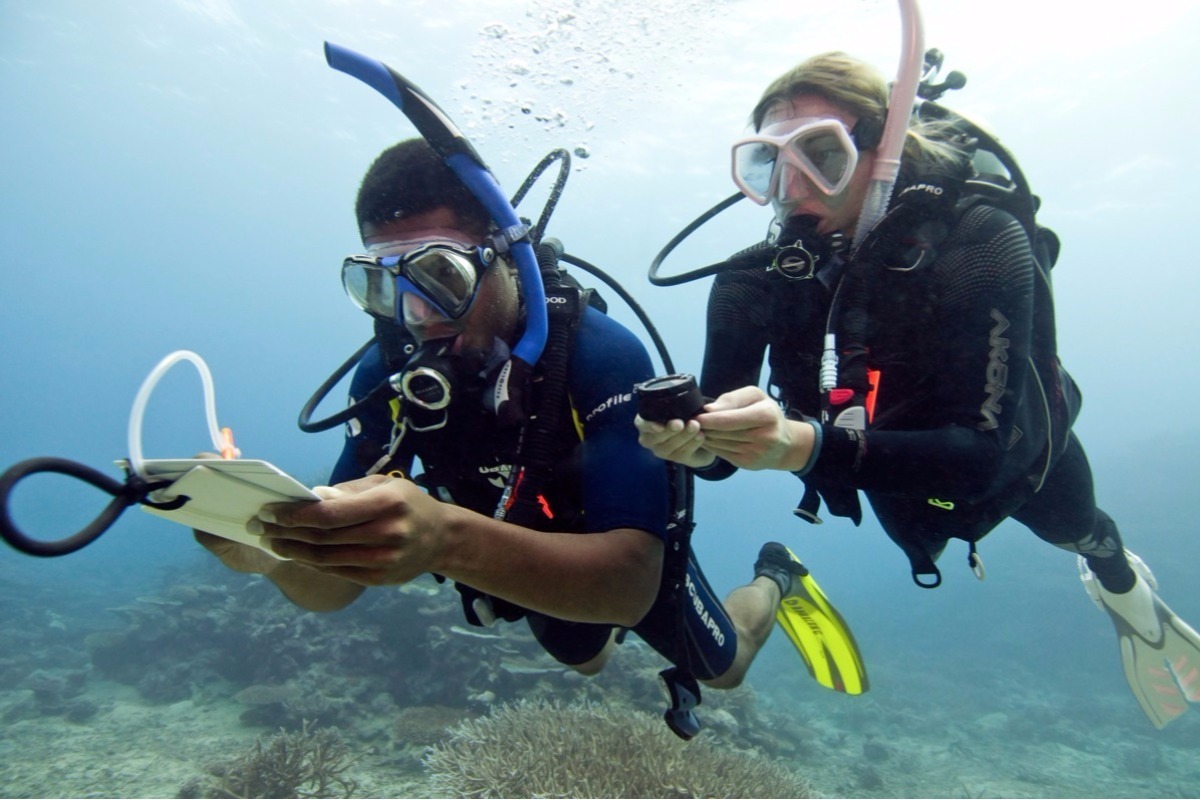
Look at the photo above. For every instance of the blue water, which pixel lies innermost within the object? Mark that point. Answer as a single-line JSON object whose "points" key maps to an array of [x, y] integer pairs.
{"points": [[181, 175]]}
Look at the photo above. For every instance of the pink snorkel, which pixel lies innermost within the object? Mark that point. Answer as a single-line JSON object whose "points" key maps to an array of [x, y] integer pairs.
{"points": [[883, 178], [891, 146]]}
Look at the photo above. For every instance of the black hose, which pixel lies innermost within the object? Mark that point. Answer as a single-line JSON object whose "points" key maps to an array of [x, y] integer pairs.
{"points": [[345, 414], [711, 269], [659, 345], [564, 169], [133, 490]]}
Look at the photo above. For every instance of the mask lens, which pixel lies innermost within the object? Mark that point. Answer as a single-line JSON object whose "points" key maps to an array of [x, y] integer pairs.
{"points": [[448, 278], [371, 287], [826, 153], [753, 164]]}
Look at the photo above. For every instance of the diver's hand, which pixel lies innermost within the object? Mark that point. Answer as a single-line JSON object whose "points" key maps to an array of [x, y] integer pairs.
{"points": [[374, 531], [237, 556], [749, 430], [677, 440]]}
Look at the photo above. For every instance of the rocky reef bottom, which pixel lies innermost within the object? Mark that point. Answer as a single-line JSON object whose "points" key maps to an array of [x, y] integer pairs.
{"points": [[214, 686]]}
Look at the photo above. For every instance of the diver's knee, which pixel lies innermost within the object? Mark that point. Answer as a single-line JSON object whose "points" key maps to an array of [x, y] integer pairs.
{"points": [[594, 665], [729, 679], [590, 668]]}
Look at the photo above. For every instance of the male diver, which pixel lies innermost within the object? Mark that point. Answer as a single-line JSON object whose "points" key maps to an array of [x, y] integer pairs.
{"points": [[448, 307]]}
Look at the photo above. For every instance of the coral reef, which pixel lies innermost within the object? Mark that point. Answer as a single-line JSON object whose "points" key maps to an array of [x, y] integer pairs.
{"points": [[426, 725], [307, 763], [547, 749], [223, 637]]}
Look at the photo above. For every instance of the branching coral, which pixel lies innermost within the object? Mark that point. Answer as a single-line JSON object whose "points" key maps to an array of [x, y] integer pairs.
{"points": [[309, 763], [539, 749]]}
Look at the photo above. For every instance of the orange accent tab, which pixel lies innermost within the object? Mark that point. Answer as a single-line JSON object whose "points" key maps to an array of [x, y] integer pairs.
{"points": [[516, 487], [873, 376], [228, 450], [545, 506]]}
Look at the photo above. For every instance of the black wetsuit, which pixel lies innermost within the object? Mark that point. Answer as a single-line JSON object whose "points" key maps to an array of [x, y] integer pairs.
{"points": [[972, 411], [603, 480]]}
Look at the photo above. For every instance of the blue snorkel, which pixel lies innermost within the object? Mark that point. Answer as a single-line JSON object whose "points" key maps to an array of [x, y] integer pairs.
{"points": [[458, 154]]}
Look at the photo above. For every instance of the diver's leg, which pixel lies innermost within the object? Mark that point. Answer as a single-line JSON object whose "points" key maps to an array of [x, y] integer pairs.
{"points": [[691, 629], [751, 611], [782, 588], [1160, 653], [583, 646], [597, 662], [1064, 513], [721, 641]]}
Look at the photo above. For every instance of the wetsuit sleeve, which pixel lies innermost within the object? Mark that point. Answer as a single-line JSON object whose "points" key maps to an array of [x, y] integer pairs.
{"points": [[735, 343], [984, 320], [368, 434], [624, 485]]}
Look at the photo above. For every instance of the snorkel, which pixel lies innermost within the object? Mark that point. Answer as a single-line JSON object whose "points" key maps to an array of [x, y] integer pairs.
{"points": [[895, 128], [841, 404], [458, 154]]}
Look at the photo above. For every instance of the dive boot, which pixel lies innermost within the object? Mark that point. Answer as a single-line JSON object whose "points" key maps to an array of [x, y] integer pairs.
{"points": [[1159, 651]]}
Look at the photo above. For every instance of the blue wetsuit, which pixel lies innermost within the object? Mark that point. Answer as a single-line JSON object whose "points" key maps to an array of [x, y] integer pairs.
{"points": [[604, 480]]}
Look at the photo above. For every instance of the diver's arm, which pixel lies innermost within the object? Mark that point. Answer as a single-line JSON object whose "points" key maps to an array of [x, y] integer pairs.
{"points": [[735, 331], [313, 590], [748, 429], [735, 344], [382, 531], [365, 443], [304, 586], [985, 324], [607, 577]]}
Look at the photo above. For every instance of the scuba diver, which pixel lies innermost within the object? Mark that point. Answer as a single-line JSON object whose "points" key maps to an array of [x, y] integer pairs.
{"points": [[912, 359], [448, 308], [504, 379]]}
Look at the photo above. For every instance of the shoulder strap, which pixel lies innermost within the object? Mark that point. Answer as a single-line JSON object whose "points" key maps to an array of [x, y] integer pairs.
{"points": [[565, 306]]}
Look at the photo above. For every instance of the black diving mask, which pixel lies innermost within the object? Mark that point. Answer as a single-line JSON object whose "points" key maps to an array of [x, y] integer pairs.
{"points": [[444, 274]]}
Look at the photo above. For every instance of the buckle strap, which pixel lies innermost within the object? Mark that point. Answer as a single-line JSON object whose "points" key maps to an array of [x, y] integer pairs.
{"points": [[503, 239]]}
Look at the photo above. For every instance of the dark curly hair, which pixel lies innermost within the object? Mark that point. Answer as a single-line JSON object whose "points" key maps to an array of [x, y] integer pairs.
{"points": [[409, 178]]}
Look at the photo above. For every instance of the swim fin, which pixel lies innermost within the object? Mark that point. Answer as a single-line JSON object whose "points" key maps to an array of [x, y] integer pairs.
{"points": [[815, 627], [1159, 651]]}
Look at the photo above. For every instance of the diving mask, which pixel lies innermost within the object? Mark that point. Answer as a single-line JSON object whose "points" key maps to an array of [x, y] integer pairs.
{"points": [[444, 274], [820, 148]]}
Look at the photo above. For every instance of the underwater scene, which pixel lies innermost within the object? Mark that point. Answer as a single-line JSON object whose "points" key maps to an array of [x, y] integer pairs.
{"points": [[182, 174]]}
